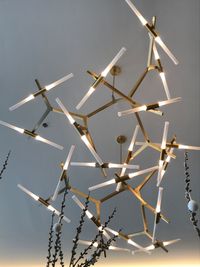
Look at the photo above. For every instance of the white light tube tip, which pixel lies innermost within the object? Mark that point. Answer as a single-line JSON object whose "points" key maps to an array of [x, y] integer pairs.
{"points": [[22, 102], [56, 83], [166, 50], [39, 138], [165, 132], [133, 138], [137, 13], [28, 192], [69, 158], [66, 112], [54, 197], [20, 130], [90, 147], [113, 62], [85, 98], [112, 181]]}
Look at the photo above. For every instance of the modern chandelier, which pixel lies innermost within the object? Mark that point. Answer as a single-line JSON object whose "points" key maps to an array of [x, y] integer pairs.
{"points": [[127, 170]]}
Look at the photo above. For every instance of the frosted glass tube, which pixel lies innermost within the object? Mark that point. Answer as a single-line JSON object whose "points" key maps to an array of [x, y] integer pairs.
{"points": [[131, 175], [112, 231], [166, 243], [78, 202], [85, 98], [113, 165], [137, 13], [188, 147], [155, 51], [66, 112], [169, 101], [56, 83], [22, 102], [165, 85], [83, 164], [56, 191], [35, 197], [20, 130], [159, 200], [131, 242], [119, 184], [39, 138], [133, 110], [51, 208], [165, 132], [112, 181], [69, 158], [90, 147], [166, 49], [118, 249], [133, 138], [113, 62]]}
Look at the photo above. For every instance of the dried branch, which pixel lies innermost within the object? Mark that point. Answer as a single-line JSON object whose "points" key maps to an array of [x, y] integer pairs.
{"points": [[188, 190], [5, 165]]}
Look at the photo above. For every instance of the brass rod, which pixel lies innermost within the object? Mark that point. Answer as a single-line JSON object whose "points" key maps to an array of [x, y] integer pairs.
{"points": [[139, 81], [107, 105], [142, 127]]}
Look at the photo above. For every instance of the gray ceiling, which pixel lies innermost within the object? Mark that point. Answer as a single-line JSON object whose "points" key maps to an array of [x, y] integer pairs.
{"points": [[49, 39]]}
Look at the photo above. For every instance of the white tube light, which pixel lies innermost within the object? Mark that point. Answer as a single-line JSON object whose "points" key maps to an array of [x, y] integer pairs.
{"points": [[103, 74], [78, 202], [83, 164], [112, 181], [37, 198], [113, 62], [22, 102], [132, 175], [56, 83], [66, 112], [90, 147], [39, 138], [137, 13], [133, 138], [166, 49], [20, 130]]}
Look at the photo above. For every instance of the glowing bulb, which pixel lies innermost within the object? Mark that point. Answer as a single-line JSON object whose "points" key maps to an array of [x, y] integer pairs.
{"points": [[20, 130], [112, 181], [113, 62], [27, 99], [56, 83], [166, 49], [35, 197], [85, 98], [66, 112], [39, 138], [137, 13]]}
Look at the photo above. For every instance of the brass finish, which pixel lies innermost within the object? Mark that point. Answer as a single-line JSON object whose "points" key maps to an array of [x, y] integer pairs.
{"points": [[115, 70], [121, 139]]}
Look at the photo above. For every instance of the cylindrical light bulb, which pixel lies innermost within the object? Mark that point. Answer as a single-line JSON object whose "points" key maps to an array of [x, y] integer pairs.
{"points": [[85, 98], [66, 112], [166, 49], [28, 192], [56, 83], [137, 13], [112, 181], [69, 158], [39, 138], [133, 138], [22, 102], [20, 130], [113, 62]]}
